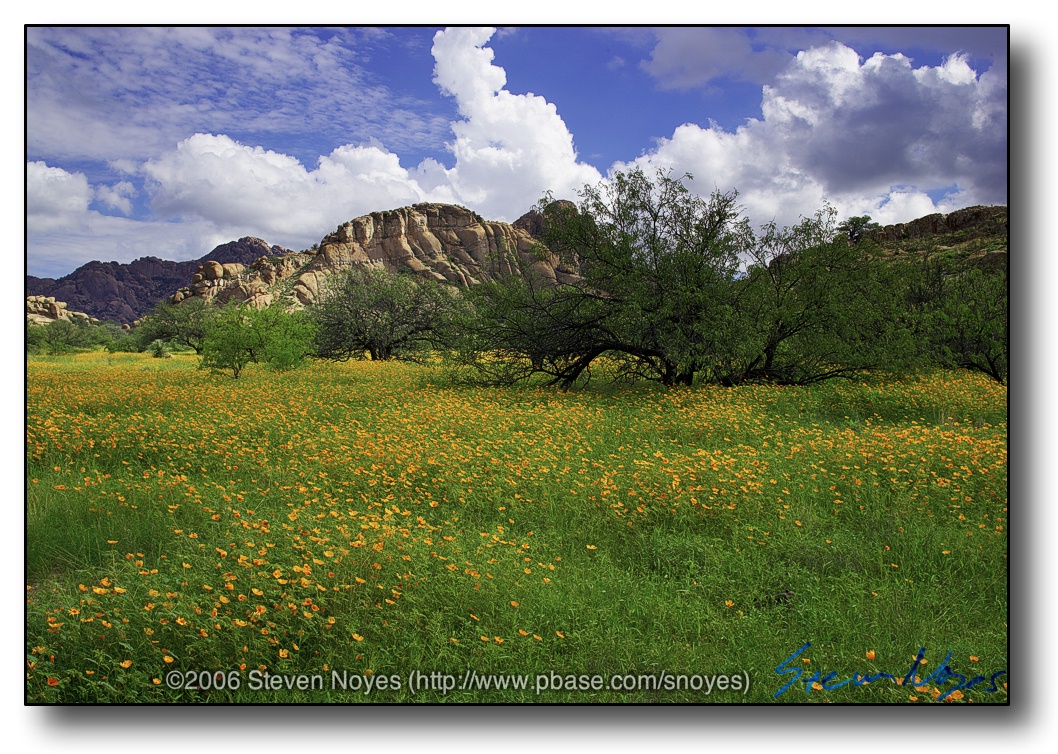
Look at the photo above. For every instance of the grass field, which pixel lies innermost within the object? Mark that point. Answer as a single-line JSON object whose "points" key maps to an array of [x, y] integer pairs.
{"points": [[346, 526]]}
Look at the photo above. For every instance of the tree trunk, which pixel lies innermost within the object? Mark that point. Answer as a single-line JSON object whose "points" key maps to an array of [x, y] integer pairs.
{"points": [[579, 366]]}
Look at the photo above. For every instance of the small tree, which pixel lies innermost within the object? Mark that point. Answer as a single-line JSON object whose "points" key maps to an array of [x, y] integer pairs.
{"points": [[185, 323], [66, 336], [855, 227], [381, 314], [240, 335]]}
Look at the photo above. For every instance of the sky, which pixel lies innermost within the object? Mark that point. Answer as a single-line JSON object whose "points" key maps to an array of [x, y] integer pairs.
{"points": [[167, 141]]}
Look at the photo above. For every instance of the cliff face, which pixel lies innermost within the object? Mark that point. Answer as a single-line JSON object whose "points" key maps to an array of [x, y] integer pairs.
{"points": [[123, 292], [972, 221], [439, 242]]}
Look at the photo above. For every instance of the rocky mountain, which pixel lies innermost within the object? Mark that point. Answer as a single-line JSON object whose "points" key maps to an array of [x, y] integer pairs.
{"points": [[441, 242], [123, 292]]}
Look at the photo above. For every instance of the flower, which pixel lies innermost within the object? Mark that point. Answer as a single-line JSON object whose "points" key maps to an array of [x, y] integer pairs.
{"points": [[125, 663], [870, 654]]}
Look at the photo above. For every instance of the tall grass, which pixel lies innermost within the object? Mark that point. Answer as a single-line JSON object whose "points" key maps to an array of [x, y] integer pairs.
{"points": [[375, 519]]}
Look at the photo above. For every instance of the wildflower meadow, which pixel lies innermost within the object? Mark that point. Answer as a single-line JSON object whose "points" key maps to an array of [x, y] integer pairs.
{"points": [[196, 538]]}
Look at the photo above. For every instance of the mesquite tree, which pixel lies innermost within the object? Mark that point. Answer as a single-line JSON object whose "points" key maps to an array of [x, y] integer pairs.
{"points": [[384, 315], [655, 262]]}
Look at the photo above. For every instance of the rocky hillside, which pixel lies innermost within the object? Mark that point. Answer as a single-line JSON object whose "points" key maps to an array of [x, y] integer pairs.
{"points": [[978, 235], [123, 292], [970, 223], [441, 242]]}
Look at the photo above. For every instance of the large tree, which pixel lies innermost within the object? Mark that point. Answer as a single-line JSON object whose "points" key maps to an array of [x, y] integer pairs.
{"points": [[367, 310], [812, 306], [655, 265]]}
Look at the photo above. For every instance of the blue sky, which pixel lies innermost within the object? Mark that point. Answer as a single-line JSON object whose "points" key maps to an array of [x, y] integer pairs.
{"points": [[168, 141]]}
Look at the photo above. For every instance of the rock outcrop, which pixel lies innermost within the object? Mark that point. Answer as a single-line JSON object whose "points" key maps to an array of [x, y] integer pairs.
{"points": [[973, 221], [43, 310], [440, 242], [255, 285]]}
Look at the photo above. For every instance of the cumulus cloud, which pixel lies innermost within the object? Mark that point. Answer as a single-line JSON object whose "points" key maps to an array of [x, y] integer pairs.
{"points": [[840, 128], [119, 196], [509, 148], [214, 178], [54, 196]]}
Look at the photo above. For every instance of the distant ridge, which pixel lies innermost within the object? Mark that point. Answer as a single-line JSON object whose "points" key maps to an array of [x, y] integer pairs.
{"points": [[123, 292]]}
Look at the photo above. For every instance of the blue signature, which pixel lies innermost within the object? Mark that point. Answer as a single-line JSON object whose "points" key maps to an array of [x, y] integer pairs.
{"points": [[940, 676]]}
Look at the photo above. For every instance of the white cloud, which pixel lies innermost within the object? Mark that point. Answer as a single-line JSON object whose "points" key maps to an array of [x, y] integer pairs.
{"points": [[54, 197], [843, 129], [509, 148], [119, 196], [896, 206], [214, 178], [64, 233]]}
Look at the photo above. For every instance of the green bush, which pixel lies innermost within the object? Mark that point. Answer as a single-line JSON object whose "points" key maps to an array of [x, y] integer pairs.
{"points": [[240, 335]]}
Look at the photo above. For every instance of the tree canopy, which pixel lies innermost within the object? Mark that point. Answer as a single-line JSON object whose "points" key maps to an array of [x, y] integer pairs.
{"points": [[239, 335], [371, 311], [674, 286]]}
